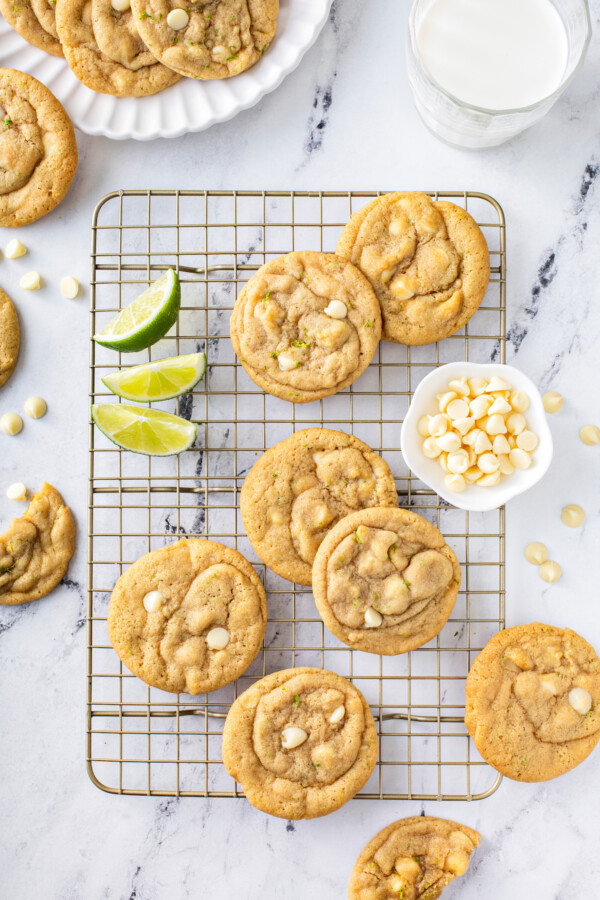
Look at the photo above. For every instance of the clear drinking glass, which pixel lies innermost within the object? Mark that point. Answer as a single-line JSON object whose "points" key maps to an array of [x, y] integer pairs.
{"points": [[462, 125]]}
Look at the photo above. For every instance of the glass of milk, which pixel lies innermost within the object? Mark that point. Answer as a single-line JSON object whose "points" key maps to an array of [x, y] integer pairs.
{"points": [[482, 71]]}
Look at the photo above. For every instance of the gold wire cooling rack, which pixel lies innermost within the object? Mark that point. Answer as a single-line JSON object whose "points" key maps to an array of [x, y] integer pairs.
{"points": [[141, 740]]}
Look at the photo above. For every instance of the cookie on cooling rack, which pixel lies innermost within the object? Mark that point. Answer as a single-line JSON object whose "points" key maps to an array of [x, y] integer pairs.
{"points": [[306, 326], [301, 487], [213, 39], [39, 151], [35, 22], [105, 51], [301, 742], [533, 701], [9, 337], [385, 580], [189, 617], [36, 549], [427, 261], [412, 858]]}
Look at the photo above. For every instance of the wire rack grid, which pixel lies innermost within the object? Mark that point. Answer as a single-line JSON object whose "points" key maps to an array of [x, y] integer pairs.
{"points": [[144, 741]]}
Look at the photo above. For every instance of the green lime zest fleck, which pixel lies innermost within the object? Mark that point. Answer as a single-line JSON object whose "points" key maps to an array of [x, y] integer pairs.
{"points": [[274, 474], [146, 15], [356, 537], [297, 701], [4, 570], [7, 122], [11, 549], [368, 324], [275, 354]]}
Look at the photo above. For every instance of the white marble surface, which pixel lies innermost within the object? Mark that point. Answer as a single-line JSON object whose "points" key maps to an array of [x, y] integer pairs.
{"points": [[343, 119]]}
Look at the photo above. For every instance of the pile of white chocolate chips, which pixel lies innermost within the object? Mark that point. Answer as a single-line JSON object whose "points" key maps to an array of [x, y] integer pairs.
{"points": [[479, 434]]}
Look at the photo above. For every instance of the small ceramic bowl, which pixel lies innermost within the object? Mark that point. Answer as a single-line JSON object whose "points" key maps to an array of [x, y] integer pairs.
{"points": [[429, 471]]}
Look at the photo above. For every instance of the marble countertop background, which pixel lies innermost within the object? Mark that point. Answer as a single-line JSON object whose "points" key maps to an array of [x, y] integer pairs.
{"points": [[343, 120]]}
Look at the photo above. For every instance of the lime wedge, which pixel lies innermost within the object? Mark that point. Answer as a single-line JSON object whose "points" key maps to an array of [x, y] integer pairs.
{"points": [[147, 319], [148, 431], [160, 380]]}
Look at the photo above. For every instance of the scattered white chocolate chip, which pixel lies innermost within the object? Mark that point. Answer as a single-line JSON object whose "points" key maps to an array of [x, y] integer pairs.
{"points": [[177, 19], [336, 310], [217, 638], [11, 423], [15, 249], [17, 491], [580, 700], [573, 516], [448, 442], [36, 407], [550, 571], [373, 619], [337, 715], [153, 601], [590, 435], [121, 5], [527, 440], [553, 402], [292, 737], [286, 363], [536, 553], [69, 286], [455, 483], [31, 281]]}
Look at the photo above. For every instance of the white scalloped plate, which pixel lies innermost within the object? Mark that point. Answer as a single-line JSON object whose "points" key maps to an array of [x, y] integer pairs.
{"points": [[188, 105]]}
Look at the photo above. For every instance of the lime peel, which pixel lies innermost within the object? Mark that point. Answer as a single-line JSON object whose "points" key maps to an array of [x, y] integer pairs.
{"points": [[147, 319]]}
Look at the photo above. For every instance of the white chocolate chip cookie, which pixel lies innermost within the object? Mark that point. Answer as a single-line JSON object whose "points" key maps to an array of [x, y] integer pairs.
{"points": [[9, 337], [427, 261], [301, 487], [168, 612], [385, 580], [521, 711], [292, 751], [412, 859], [306, 326]]}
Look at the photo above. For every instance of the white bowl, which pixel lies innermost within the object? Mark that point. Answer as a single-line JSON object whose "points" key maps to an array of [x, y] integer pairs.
{"points": [[429, 471]]}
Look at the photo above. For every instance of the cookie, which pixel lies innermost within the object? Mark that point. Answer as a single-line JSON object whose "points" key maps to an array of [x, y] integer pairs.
{"points": [[533, 701], [306, 326], [35, 21], [9, 337], [301, 742], [301, 487], [188, 617], [105, 51], [38, 151], [412, 859], [385, 581], [213, 39], [427, 261], [36, 549]]}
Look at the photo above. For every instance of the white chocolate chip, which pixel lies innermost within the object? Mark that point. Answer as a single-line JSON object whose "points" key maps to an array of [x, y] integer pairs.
{"points": [[11, 423], [495, 384], [36, 407], [482, 443], [573, 516], [31, 281], [17, 491], [519, 401], [472, 475], [479, 406], [336, 310], [580, 700], [550, 571], [423, 426], [477, 385], [337, 715], [457, 409], [590, 435], [217, 638], [553, 402], [177, 19], [516, 423], [490, 480], [292, 737], [496, 424], [506, 467], [488, 463], [373, 619], [430, 448], [527, 440], [401, 290], [69, 286], [464, 425], [460, 385], [500, 445], [438, 425], [520, 459], [444, 399], [153, 601], [121, 5], [443, 461], [536, 553], [458, 462], [15, 249], [455, 483], [470, 439], [448, 442], [396, 227], [499, 407], [286, 363]]}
